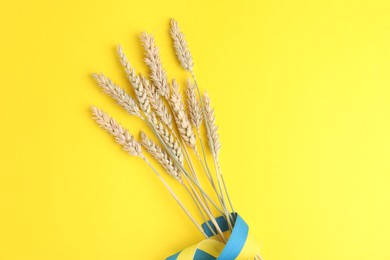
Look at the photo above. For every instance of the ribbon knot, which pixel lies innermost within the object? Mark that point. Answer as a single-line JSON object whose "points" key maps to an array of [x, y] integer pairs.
{"points": [[240, 245]]}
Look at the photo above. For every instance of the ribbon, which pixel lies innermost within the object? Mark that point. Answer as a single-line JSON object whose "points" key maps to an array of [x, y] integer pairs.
{"points": [[240, 245]]}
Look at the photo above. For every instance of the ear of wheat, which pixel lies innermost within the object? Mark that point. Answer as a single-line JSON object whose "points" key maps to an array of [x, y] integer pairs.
{"points": [[181, 47], [152, 59], [194, 109], [157, 103]]}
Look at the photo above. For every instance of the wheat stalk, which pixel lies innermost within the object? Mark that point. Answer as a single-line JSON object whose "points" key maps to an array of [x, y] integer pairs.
{"points": [[122, 135], [157, 103], [213, 138], [152, 59], [167, 163], [173, 148], [193, 106], [136, 82], [186, 133], [181, 118], [161, 156], [181, 47], [130, 72], [140, 92], [196, 116], [215, 144], [171, 145], [121, 97], [168, 139], [185, 59], [184, 56]]}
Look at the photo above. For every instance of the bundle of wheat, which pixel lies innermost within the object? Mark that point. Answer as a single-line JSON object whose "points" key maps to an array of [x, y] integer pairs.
{"points": [[159, 103]]}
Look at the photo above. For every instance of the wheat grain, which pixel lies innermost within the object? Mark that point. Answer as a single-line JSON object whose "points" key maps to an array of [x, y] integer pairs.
{"points": [[214, 142], [168, 139], [122, 135], [153, 61], [157, 103], [194, 109], [161, 156], [113, 90], [181, 118], [141, 94], [181, 47]]}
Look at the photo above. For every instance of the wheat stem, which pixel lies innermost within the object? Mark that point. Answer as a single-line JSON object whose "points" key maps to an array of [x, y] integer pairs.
{"points": [[188, 177], [182, 122], [175, 197], [166, 162], [224, 186], [206, 168], [181, 165], [208, 213], [227, 214], [199, 209]]}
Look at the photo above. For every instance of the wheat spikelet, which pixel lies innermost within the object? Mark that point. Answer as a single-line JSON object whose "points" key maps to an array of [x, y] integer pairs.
{"points": [[130, 72], [157, 103], [194, 109], [161, 156], [181, 47], [181, 118], [168, 139], [152, 59], [122, 135], [214, 142], [113, 90], [135, 82], [141, 94]]}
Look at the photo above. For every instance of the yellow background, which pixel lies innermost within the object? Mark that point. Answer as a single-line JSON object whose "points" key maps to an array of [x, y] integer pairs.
{"points": [[301, 90]]}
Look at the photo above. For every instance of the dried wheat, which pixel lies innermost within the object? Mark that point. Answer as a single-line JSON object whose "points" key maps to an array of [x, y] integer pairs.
{"points": [[181, 118], [141, 94], [136, 82], [130, 72], [214, 142], [168, 139], [152, 59], [161, 156], [157, 103], [122, 135], [181, 47], [113, 90], [194, 109]]}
